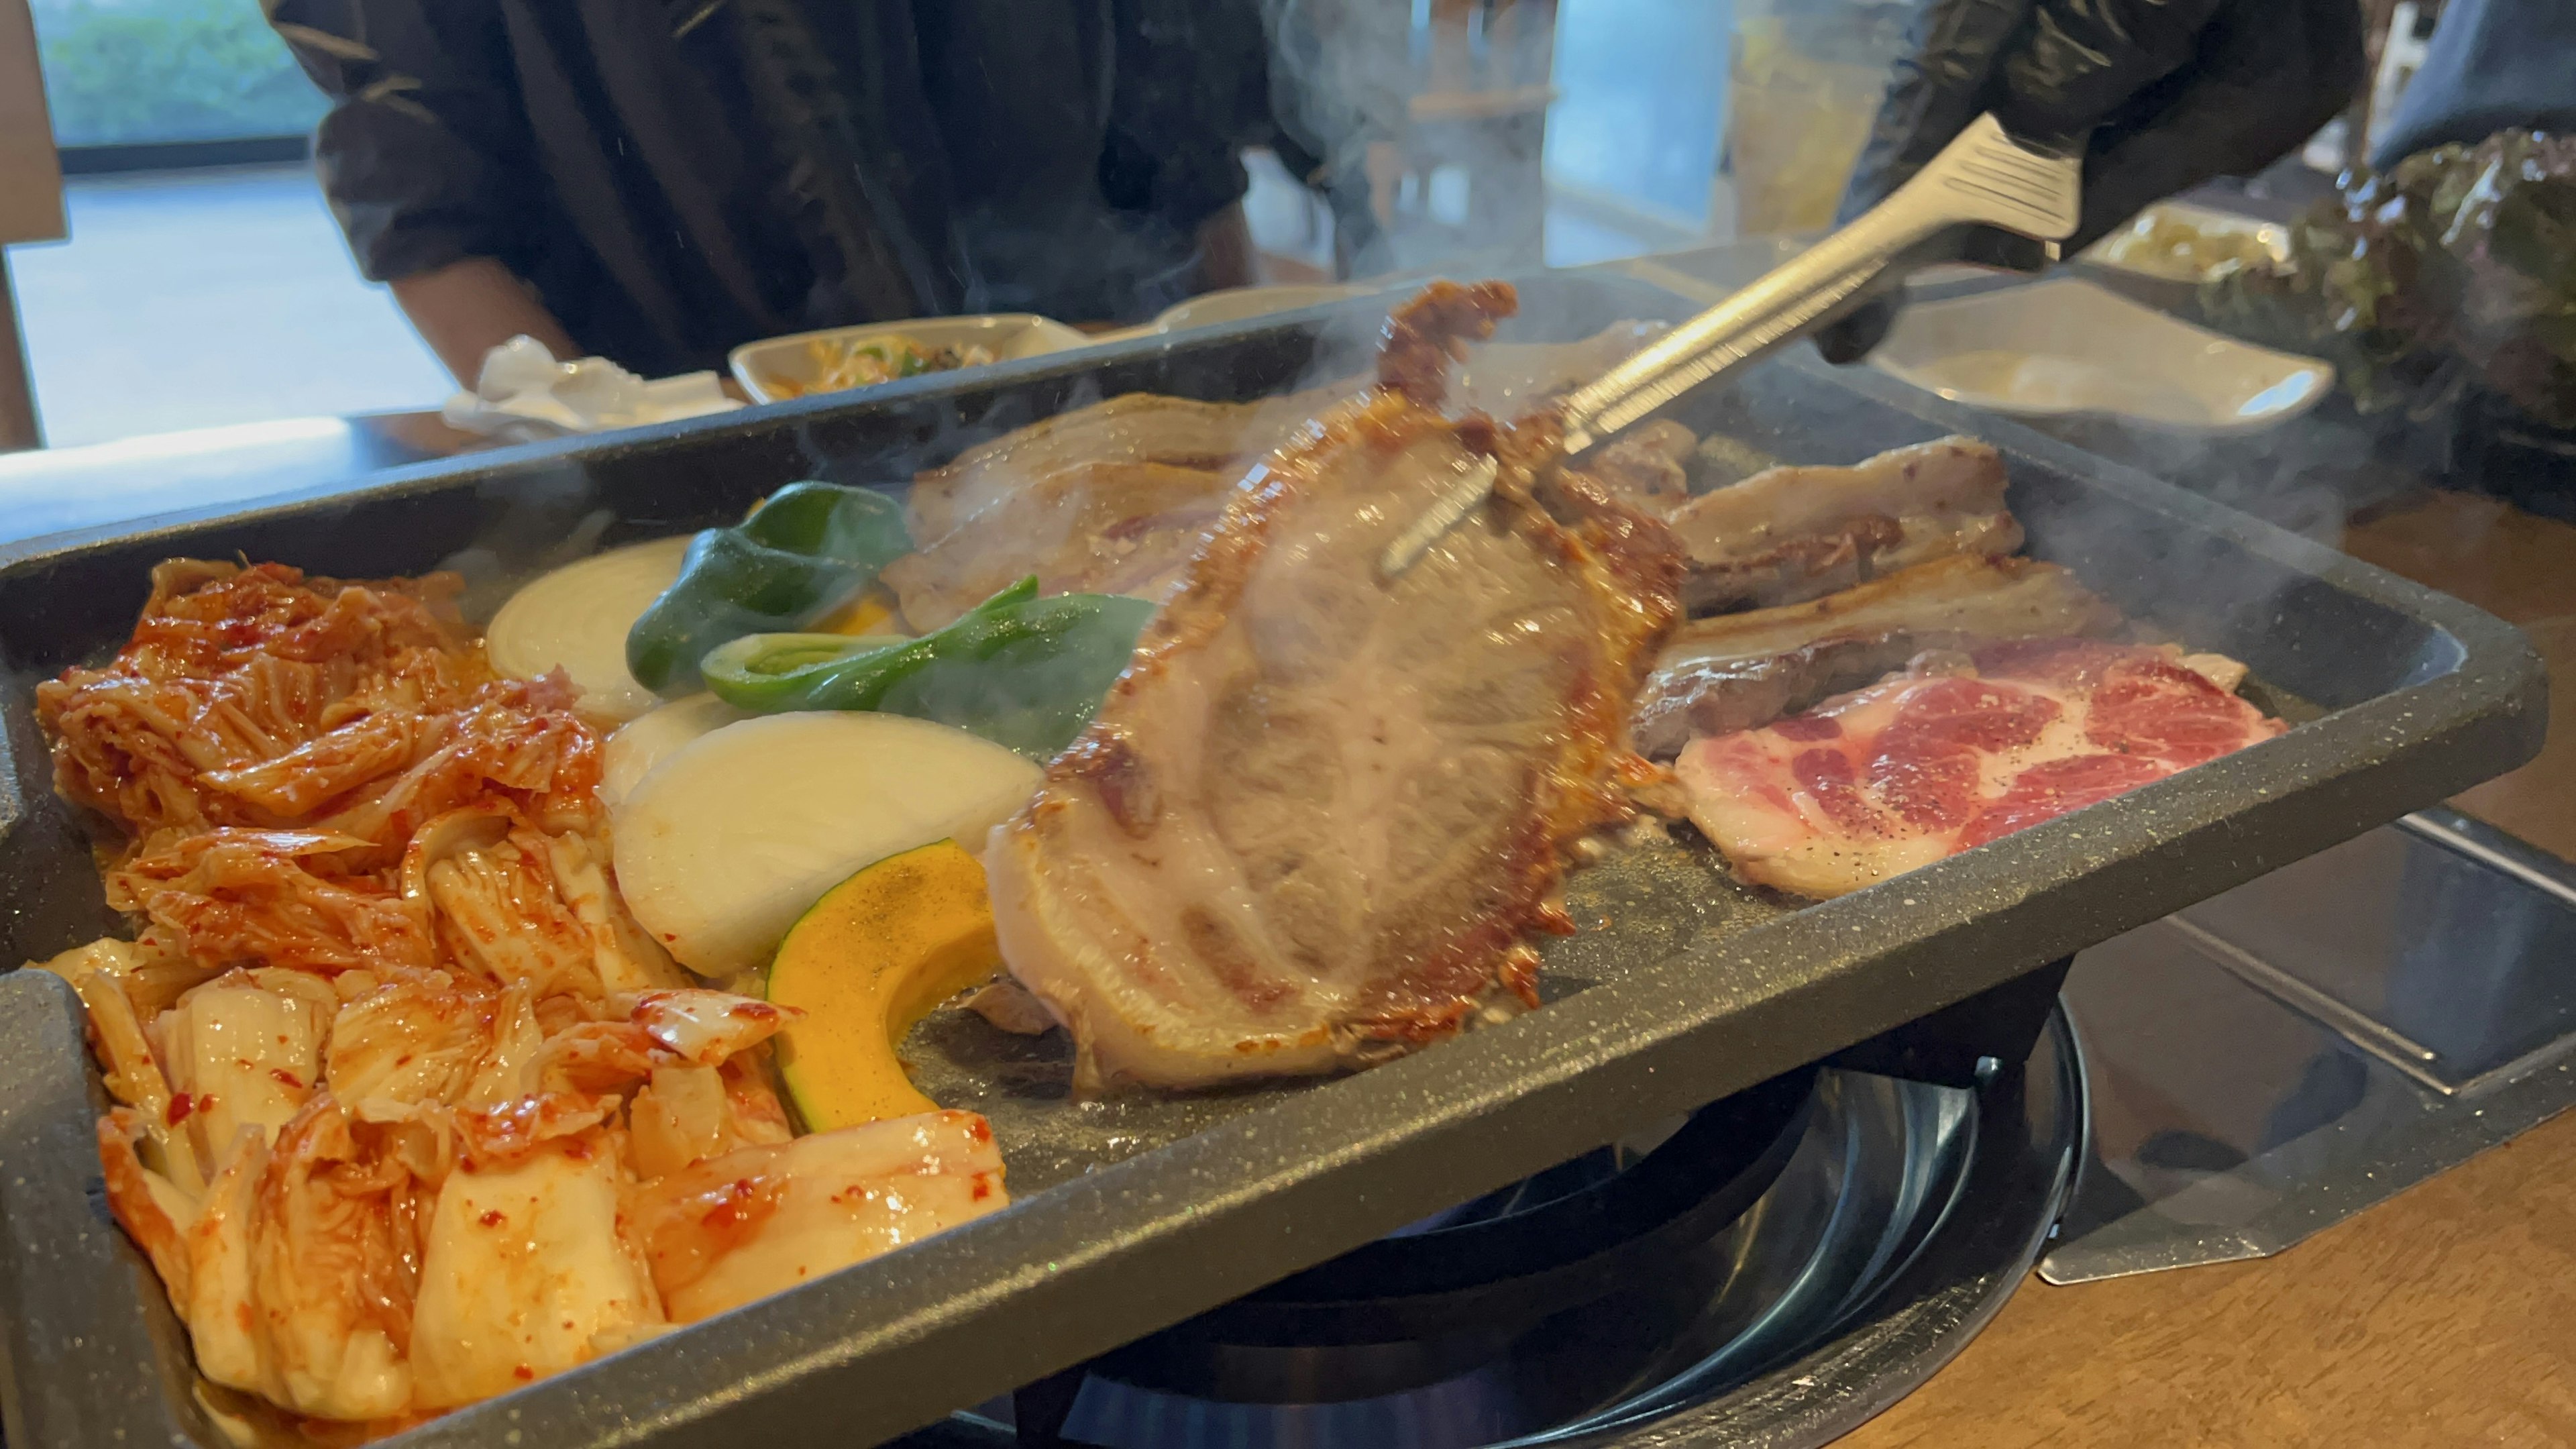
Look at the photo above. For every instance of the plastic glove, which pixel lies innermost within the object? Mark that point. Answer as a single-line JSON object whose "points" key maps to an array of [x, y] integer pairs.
{"points": [[2160, 94]]}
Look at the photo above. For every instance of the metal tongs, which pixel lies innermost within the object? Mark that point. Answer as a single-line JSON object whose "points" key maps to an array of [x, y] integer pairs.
{"points": [[1985, 178]]}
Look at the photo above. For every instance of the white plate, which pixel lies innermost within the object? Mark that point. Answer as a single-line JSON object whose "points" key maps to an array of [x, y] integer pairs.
{"points": [[789, 359], [2067, 346], [1237, 303], [1234, 304]]}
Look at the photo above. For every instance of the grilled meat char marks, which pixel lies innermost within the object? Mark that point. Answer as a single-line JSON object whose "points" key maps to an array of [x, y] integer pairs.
{"points": [[1319, 816], [1429, 332], [1956, 753], [1794, 533], [1738, 671]]}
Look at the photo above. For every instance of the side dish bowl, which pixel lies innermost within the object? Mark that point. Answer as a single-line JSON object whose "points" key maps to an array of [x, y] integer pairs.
{"points": [[2067, 346], [777, 368]]}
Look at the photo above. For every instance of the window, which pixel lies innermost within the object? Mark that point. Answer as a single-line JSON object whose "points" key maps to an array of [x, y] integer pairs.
{"points": [[1642, 87], [147, 72]]}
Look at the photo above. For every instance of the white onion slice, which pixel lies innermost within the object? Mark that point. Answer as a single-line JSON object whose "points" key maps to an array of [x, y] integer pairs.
{"points": [[577, 618], [655, 736], [726, 842]]}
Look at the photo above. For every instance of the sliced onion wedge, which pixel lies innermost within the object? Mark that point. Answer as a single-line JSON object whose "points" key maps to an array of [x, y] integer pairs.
{"points": [[655, 736], [577, 617], [725, 843]]}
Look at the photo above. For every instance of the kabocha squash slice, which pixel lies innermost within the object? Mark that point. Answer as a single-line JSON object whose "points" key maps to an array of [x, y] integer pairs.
{"points": [[872, 957]]}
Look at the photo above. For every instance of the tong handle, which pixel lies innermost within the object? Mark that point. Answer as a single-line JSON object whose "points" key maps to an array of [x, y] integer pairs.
{"points": [[1983, 178]]}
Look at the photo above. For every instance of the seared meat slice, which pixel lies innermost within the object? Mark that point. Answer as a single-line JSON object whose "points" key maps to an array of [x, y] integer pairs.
{"points": [[1644, 466], [1114, 498], [1228, 437], [1737, 671], [1110, 528], [1787, 534], [1314, 822], [1958, 752], [1136, 428]]}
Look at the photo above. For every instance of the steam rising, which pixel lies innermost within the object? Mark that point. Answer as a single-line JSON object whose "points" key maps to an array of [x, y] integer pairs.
{"points": [[1426, 121]]}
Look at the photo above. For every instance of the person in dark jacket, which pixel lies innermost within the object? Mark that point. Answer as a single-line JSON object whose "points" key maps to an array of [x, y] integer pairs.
{"points": [[2155, 95], [657, 181], [2493, 65]]}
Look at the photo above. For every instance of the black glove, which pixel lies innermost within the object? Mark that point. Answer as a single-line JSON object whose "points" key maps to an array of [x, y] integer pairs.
{"points": [[2160, 95]]}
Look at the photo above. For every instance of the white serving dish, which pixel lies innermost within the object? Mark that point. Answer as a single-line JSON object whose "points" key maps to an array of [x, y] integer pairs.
{"points": [[1011, 335], [2066, 346], [1238, 303], [1235, 304]]}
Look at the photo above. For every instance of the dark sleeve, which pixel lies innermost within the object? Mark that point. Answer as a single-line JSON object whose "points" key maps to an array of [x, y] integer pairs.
{"points": [[2492, 65], [420, 153], [1191, 90]]}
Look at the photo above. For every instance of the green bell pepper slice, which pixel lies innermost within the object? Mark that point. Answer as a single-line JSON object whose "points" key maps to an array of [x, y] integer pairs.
{"points": [[1024, 672], [803, 555]]}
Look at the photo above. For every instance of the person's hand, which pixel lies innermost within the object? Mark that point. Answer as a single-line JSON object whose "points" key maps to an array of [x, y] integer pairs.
{"points": [[2159, 94]]}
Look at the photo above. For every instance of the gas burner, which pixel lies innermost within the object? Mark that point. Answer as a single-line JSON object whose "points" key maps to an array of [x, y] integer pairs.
{"points": [[1771, 1270], [1488, 1284]]}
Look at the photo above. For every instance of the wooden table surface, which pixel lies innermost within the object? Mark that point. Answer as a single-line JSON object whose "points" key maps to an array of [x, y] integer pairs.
{"points": [[2444, 1316], [2521, 569]]}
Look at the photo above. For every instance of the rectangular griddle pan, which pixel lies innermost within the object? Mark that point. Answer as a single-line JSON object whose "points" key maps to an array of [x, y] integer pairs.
{"points": [[1680, 989]]}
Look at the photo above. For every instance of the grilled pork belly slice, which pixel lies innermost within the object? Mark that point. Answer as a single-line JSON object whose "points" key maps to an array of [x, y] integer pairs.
{"points": [[1215, 437], [1173, 432], [1950, 755], [1644, 466], [1789, 534], [1316, 819], [1107, 528], [1116, 497], [1738, 671]]}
